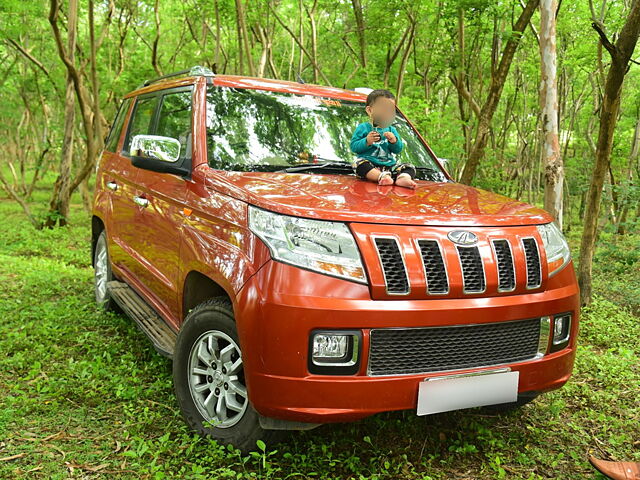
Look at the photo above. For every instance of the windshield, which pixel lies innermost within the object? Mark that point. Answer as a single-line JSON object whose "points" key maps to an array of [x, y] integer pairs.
{"points": [[251, 130]]}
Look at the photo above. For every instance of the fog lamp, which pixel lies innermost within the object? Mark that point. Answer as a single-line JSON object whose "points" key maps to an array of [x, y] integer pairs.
{"points": [[334, 352], [561, 329]]}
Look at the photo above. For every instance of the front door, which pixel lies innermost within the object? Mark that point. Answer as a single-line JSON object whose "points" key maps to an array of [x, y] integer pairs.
{"points": [[160, 206]]}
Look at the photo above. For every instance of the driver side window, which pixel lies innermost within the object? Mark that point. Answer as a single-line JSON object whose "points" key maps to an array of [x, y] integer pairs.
{"points": [[174, 120], [141, 120]]}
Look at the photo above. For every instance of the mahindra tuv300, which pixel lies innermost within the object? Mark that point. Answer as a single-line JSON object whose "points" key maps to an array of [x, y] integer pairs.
{"points": [[229, 225]]}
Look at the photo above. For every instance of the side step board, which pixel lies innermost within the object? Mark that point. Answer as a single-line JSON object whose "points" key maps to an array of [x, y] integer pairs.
{"points": [[161, 335]]}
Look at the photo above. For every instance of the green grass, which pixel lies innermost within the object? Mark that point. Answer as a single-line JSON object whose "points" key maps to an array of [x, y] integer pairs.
{"points": [[84, 395]]}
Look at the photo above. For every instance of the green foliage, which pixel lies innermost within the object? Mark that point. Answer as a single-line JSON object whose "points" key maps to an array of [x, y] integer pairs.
{"points": [[85, 395], [617, 266], [32, 101]]}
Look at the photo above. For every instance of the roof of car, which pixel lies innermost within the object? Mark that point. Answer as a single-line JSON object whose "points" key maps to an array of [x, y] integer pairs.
{"points": [[242, 81]]}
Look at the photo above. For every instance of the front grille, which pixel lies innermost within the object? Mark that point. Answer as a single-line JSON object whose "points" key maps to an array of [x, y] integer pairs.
{"points": [[472, 269], [506, 273], [402, 351], [533, 262], [395, 274]]}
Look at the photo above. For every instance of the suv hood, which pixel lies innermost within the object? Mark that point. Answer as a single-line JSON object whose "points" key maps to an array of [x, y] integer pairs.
{"points": [[347, 198]]}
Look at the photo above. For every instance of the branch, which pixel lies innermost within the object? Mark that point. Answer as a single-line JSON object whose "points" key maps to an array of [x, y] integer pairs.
{"points": [[466, 94], [28, 55], [25, 206], [35, 61], [71, 68], [297, 40], [536, 35], [611, 48]]}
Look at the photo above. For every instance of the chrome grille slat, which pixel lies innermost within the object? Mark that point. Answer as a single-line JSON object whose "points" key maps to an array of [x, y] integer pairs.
{"points": [[534, 274], [417, 350], [504, 259], [472, 269], [395, 273], [434, 268]]}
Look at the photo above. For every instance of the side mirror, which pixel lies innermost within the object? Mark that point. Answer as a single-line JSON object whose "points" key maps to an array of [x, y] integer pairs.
{"points": [[157, 153], [166, 149]]}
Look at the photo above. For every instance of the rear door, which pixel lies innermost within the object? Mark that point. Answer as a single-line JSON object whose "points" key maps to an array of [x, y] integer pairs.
{"points": [[117, 186], [159, 212]]}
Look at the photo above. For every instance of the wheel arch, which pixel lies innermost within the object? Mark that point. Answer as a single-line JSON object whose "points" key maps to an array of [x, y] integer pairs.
{"points": [[198, 288], [97, 226]]}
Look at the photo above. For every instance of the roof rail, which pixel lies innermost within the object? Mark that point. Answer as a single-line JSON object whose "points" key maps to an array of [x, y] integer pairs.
{"points": [[197, 70]]}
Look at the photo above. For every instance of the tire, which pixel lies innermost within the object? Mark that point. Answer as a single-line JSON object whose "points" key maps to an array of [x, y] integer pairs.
{"points": [[208, 330], [503, 408], [102, 274]]}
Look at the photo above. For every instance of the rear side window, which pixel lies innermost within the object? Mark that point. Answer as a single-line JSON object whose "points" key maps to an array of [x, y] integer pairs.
{"points": [[175, 118], [111, 143], [142, 119]]}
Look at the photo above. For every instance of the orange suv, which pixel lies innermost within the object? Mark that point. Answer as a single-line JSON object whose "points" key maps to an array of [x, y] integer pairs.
{"points": [[228, 223]]}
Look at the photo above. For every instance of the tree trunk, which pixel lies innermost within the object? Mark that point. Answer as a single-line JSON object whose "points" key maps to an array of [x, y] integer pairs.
{"points": [[620, 53], [391, 57], [59, 205], [311, 13], [357, 11], [156, 40], [88, 101], [553, 163], [403, 61], [242, 27]]}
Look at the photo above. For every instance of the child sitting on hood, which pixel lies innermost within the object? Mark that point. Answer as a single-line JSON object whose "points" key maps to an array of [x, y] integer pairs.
{"points": [[377, 142]]}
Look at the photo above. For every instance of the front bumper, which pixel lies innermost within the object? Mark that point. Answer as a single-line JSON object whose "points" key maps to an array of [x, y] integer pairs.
{"points": [[280, 305]]}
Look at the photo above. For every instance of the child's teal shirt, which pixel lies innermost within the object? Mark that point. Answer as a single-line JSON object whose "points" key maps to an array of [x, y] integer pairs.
{"points": [[381, 153]]}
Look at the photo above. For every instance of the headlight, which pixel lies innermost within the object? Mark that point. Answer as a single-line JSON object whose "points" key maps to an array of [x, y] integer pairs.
{"points": [[326, 247], [556, 246]]}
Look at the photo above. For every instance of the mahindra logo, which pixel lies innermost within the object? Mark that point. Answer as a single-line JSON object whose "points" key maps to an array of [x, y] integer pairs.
{"points": [[462, 237]]}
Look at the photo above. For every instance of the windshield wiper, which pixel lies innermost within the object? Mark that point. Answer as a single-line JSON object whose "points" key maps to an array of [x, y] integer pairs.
{"points": [[330, 165], [433, 174]]}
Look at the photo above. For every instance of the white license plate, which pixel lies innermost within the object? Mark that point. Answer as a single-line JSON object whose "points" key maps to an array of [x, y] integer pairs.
{"points": [[443, 394]]}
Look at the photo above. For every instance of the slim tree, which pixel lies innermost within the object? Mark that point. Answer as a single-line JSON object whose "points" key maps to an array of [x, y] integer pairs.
{"points": [[620, 53], [553, 164], [59, 204], [87, 97]]}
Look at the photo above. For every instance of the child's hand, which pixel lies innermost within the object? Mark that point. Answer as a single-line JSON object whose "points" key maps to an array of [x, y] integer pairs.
{"points": [[391, 137], [373, 137]]}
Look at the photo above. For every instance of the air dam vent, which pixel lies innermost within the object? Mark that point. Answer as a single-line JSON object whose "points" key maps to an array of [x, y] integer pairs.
{"points": [[404, 351]]}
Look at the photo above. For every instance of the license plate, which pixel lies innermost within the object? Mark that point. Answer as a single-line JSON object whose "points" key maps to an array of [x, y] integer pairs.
{"points": [[454, 392]]}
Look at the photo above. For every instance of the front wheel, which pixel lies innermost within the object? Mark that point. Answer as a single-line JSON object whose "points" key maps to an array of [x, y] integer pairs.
{"points": [[208, 378]]}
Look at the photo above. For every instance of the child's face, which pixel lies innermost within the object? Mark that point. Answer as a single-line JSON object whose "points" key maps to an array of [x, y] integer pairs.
{"points": [[382, 111]]}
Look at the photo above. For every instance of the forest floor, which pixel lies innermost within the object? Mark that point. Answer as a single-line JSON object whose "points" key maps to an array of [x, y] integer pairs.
{"points": [[83, 394]]}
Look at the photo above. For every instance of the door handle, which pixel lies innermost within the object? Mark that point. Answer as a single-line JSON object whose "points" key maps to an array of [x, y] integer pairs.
{"points": [[143, 202], [112, 186]]}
